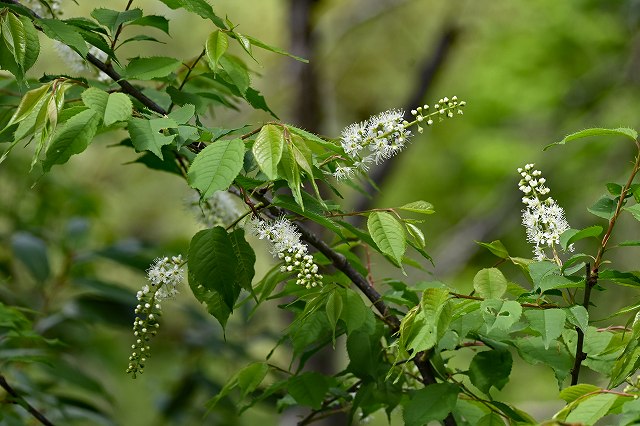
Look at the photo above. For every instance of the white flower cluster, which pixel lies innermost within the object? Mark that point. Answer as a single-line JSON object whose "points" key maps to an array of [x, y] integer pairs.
{"points": [[43, 11], [286, 245], [543, 219], [218, 210], [77, 64], [386, 134], [164, 276]]}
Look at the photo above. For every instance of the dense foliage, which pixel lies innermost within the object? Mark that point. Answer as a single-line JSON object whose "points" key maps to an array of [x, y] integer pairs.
{"points": [[419, 345]]}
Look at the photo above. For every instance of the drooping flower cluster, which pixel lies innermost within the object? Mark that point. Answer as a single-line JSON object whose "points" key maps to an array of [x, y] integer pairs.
{"points": [[77, 64], [543, 218], [218, 210], [386, 134], [164, 276], [286, 245]]}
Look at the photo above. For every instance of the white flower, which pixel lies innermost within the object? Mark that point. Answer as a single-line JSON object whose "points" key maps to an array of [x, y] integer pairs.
{"points": [[543, 219], [286, 245]]}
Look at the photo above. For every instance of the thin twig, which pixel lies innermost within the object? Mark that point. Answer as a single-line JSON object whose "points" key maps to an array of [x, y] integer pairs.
{"points": [[23, 402]]}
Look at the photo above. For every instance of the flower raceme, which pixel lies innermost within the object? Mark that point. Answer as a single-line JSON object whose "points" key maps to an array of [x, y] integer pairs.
{"points": [[386, 134], [164, 276], [286, 245], [543, 218]]}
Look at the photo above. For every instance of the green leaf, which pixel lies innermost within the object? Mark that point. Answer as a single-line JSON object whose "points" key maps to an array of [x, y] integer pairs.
{"points": [[216, 166], [32, 43], [16, 38], [309, 389], [32, 252], [417, 235], [148, 135], [500, 314], [28, 103], [267, 149], [355, 313], [314, 210], [572, 393], [577, 315], [213, 267], [150, 68], [557, 357], [250, 377], [273, 49], [418, 207], [491, 419], [183, 114], [570, 236], [65, 33], [112, 19], [217, 43], [95, 99], [604, 208], [289, 170], [495, 247], [621, 131], [333, 308], [155, 21], [388, 235], [634, 210], [490, 283], [592, 409], [236, 71], [548, 322], [199, 7], [246, 259], [72, 138], [624, 278], [118, 108], [490, 368], [433, 403]]}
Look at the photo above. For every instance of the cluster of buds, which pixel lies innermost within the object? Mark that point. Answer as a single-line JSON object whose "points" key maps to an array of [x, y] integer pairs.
{"points": [[286, 245], [218, 210], [543, 218], [164, 276], [77, 64], [386, 134]]}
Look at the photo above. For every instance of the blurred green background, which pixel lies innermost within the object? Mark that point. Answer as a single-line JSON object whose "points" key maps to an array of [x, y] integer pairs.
{"points": [[531, 72]]}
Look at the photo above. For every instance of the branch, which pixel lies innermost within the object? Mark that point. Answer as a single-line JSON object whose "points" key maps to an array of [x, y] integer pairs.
{"points": [[23, 402]]}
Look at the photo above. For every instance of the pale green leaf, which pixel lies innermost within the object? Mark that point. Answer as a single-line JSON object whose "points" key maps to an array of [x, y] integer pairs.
{"points": [[150, 68], [592, 409], [148, 135], [420, 206], [417, 234], [548, 322], [216, 166], [267, 149], [32, 43], [621, 131], [388, 234], [95, 99], [577, 315], [28, 103], [112, 19], [217, 43], [16, 38], [72, 138], [495, 247], [156, 21], [118, 108], [572, 393], [183, 114], [489, 283], [500, 314]]}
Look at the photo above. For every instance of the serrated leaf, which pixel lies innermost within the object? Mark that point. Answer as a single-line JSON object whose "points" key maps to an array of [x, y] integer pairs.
{"points": [[432, 403], [309, 388], [495, 247], [72, 138], [216, 166], [155, 21], [95, 99], [354, 313], [147, 135], [490, 368], [183, 114], [417, 235], [604, 208], [213, 267], [150, 68], [288, 169], [28, 103], [548, 322], [570, 236], [557, 357], [32, 49], [199, 7], [577, 315], [112, 19], [236, 71], [65, 33], [621, 131], [15, 37], [118, 108], [420, 206], [217, 43], [634, 210], [592, 409], [500, 314], [489, 283], [572, 393], [388, 234], [268, 148]]}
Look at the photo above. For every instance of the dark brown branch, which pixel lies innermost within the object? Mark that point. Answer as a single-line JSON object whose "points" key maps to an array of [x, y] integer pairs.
{"points": [[17, 399]]}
